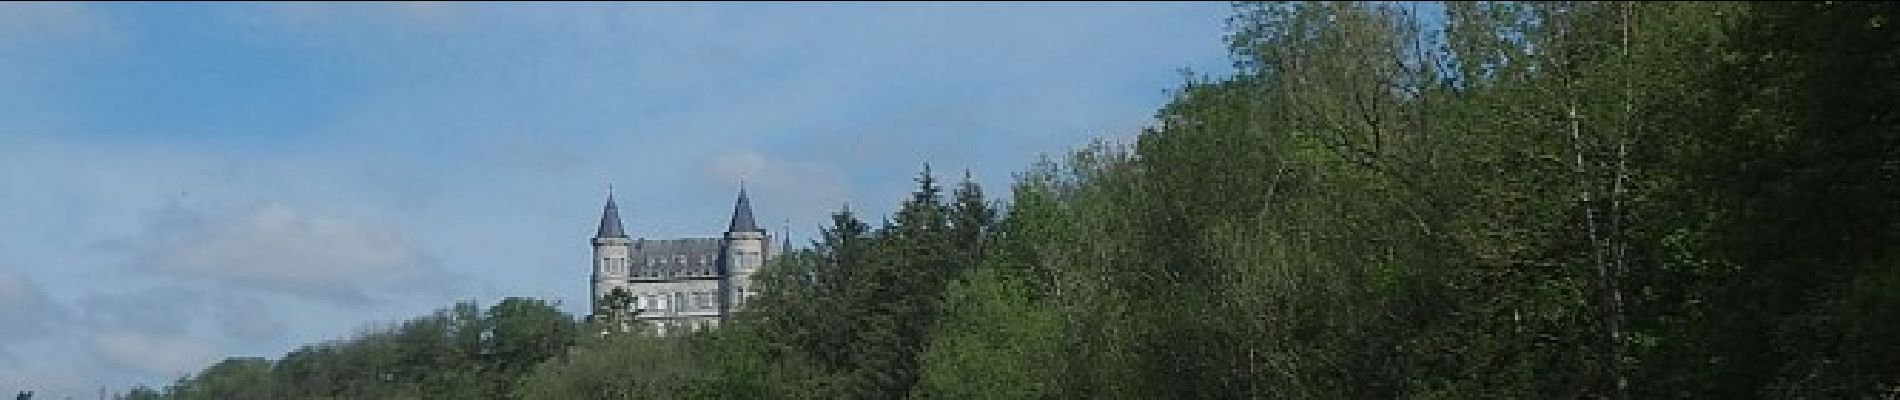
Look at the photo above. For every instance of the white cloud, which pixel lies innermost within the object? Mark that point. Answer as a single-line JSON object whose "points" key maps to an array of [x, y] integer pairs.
{"points": [[26, 312], [162, 310], [801, 179], [241, 318], [165, 355], [274, 248], [800, 190], [248, 319]]}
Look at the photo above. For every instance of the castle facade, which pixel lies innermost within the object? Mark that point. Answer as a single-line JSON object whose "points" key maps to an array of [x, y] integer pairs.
{"points": [[678, 284]]}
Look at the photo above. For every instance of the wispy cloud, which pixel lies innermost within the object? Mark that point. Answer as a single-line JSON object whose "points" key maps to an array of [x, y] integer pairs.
{"points": [[26, 309], [155, 354], [273, 248], [808, 185]]}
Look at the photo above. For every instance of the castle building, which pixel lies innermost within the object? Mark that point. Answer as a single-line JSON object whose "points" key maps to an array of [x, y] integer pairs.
{"points": [[683, 283]]}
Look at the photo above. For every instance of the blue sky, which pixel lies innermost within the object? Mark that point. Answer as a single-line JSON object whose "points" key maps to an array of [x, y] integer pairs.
{"points": [[181, 182]]}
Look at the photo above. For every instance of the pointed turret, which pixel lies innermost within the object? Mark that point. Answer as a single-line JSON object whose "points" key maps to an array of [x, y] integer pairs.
{"points": [[742, 215], [610, 220], [787, 233], [743, 253], [612, 261]]}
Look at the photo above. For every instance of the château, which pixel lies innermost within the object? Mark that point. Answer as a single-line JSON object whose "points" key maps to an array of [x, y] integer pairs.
{"points": [[679, 284]]}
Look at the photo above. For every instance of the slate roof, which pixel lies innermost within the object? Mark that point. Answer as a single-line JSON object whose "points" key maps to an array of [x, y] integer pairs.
{"points": [[675, 257], [742, 215], [610, 221]]}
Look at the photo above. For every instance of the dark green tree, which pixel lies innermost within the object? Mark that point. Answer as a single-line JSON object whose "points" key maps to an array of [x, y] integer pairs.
{"points": [[523, 332]]}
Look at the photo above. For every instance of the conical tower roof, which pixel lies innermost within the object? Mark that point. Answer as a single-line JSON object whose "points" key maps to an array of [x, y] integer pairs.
{"points": [[610, 220], [742, 215]]}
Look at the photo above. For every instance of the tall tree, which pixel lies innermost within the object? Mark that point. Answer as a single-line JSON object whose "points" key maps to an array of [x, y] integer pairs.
{"points": [[523, 332], [971, 221]]}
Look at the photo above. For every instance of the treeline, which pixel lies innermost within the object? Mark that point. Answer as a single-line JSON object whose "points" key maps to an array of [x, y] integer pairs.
{"points": [[1508, 200], [461, 352]]}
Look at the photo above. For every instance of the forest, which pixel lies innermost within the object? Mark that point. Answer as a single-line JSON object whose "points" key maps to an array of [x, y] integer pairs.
{"points": [[1382, 200]]}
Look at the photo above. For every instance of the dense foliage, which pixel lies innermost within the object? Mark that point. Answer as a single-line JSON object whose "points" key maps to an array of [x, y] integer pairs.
{"points": [[1520, 200]]}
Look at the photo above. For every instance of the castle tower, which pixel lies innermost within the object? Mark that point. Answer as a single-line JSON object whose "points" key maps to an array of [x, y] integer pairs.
{"points": [[611, 250], [741, 256]]}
